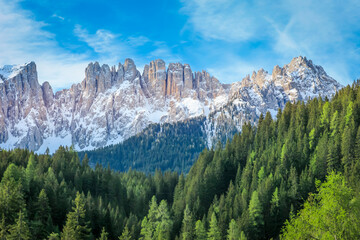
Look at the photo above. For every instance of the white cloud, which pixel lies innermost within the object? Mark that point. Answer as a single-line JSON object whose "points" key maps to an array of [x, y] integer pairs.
{"points": [[138, 41], [111, 47], [325, 31], [58, 17], [103, 41], [23, 40], [227, 20]]}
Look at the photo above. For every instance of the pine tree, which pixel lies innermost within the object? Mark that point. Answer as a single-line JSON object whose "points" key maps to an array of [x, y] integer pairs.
{"points": [[76, 227], [187, 229], [148, 224], [255, 215], [20, 230], [200, 231], [126, 235], [3, 229], [164, 223], [11, 194], [347, 148], [242, 236], [147, 229], [42, 207], [334, 154], [53, 236], [233, 233], [214, 231], [103, 235], [30, 172]]}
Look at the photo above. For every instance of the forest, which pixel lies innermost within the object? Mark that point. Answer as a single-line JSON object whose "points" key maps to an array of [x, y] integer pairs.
{"points": [[164, 146], [293, 177]]}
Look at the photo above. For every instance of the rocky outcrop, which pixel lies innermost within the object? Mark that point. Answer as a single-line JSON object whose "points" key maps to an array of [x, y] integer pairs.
{"points": [[262, 92], [113, 103]]}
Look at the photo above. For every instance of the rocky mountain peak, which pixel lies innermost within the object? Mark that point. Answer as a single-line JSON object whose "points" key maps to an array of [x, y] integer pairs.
{"points": [[97, 79], [299, 63], [130, 70], [154, 76], [112, 104]]}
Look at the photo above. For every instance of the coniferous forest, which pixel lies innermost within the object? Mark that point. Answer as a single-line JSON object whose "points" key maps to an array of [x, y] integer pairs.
{"points": [[164, 146], [296, 177]]}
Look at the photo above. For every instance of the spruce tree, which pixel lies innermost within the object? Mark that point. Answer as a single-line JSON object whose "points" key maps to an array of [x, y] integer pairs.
{"points": [[347, 148], [255, 215], [103, 235], [233, 233], [200, 231], [164, 224], [53, 236], [126, 235], [187, 230], [214, 231], [3, 229], [20, 230], [42, 207], [76, 227], [11, 194]]}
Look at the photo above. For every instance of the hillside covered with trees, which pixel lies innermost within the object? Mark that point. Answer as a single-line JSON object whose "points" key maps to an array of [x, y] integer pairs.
{"points": [[296, 177], [165, 146]]}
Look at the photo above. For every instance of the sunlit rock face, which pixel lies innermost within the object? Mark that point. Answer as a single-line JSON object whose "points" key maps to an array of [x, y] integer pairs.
{"points": [[114, 103]]}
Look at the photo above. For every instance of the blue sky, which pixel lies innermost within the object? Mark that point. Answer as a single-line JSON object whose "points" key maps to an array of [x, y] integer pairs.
{"points": [[228, 38]]}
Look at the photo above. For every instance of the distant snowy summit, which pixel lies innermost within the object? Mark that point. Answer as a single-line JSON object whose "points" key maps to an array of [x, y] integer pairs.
{"points": [[114, 103]]}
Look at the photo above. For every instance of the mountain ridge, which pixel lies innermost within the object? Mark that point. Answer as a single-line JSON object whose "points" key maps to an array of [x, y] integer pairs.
{"points": [[112, 104]]}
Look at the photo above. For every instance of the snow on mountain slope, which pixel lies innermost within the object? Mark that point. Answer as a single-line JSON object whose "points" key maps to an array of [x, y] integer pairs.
{"points": [[262, 92], [114, 103], [10, 71]]}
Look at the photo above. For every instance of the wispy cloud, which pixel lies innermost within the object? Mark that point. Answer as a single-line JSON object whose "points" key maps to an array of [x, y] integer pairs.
{"points": [[227, 20], [24, 39], [58, 17], [112, 47], [325, 31], [102, 41]]}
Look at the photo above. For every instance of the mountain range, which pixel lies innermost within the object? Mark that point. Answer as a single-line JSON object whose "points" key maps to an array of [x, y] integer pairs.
{"points": [[113, 104]]}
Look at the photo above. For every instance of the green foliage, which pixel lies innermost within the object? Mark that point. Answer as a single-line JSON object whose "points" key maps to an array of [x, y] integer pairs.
{"points": [[54, 236], [200, 231], [233, 232], [20, 230], [126, 235], [157, 224], [332, 213], [163, 146], [187, 230], [11, 194], [3, 229], [255, 215], [103, 235], [76, 226], [214, 231]]}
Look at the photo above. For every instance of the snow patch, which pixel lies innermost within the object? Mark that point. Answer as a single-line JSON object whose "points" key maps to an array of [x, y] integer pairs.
{"points": [[53, 143], [10, 71], [155, 117]]}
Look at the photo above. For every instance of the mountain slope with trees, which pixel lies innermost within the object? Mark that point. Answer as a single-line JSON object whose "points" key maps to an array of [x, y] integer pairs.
{"points": [[256, 186], [166, 146]]}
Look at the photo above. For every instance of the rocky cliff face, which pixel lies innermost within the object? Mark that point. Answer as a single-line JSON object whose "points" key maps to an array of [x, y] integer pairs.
{"points": [[262, 92], [113, 103]]}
